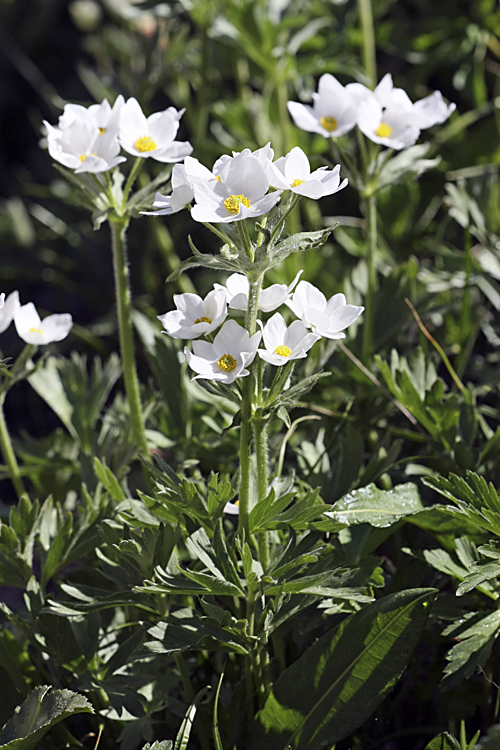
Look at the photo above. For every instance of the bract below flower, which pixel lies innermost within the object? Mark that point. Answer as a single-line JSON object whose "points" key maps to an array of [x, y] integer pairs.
{"points": [[8, 309], [226, 359], [327, 318], [282, 343], [152, 136], [35, 331], [333, 112], [240, 192], [195, 316], [293, 172], [270, 299]]}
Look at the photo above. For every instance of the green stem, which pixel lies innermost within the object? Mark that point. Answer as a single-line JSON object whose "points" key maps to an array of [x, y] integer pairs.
{"points": [[371, 249], [260, 439], [245, 240], [8, 453], [220, 234], [247, 398], [122, 285], [369, 49], [130, 180]]}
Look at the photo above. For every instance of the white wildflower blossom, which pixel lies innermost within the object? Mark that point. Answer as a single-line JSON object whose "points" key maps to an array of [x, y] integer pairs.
{"points": [[327, 318], [195, 316], [333, 112], [228, 357], [294, 173], [285, 343], [237, 288], [8, 309], [35, 331], [152, 136]]}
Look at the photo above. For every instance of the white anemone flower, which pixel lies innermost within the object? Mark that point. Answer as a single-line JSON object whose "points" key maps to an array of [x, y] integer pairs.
{"points": [[237, 288], [294, 173], [8, 309], [239, 192], [81, 147], [333, 112], [327, 318], [195, 316], [232, 508], [35, 331], [227, 358], [152, 136], [282, 343], [104, 117], [432, 110]]}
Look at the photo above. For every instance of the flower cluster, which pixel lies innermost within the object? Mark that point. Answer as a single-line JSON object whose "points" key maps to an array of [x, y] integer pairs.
{"points": [[90, 139], [28, 324], [233, 349], [238, 186], [386, 115]]}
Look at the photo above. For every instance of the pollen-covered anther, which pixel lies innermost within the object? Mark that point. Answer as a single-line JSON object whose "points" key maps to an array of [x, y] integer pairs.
{"points": [[203, 319], [329, 123], [227, 363], [83, 157], [384, 130], [145, 143], [36, 330], [232, 204], [102, 131], [297, 182], [283, 351]]}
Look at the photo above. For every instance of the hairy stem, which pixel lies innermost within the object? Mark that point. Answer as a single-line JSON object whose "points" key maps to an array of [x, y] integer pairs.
{"points": [[371, 249], [369, 49], [8, 453]]}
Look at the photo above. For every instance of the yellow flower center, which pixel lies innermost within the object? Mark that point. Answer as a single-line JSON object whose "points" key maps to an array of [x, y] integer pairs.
{"points": [[203, 319], [83, 157], [237, 502], [102, 131], [232, 204], [227, 363], [282, 351], [329, 123], [384, 130], [36, 330], [296, 183], [218, 178], [145, 143]]}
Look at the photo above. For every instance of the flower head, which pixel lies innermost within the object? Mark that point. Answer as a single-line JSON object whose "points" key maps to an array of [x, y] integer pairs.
{"points": [[195, 316], [226, 359], [237, 288], [333, 112], [8, 309], [282, 343], [294, 173], [327, 318], [81, 147], [239, 192], [152, 136], [35, 331]]}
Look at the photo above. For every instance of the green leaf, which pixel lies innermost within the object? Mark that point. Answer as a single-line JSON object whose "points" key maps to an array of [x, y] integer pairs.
{"points": [[163, 745], [377, 507], [43, 708], [473, 647], [182, 739], [443, 741], [340, 680]]}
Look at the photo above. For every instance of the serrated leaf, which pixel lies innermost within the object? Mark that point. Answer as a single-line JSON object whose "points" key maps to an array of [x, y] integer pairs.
{"points": [[43, 708], [377, 507], [340, 680]]}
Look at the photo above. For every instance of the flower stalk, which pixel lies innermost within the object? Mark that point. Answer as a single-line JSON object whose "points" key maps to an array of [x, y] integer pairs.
{"points": [[9, 454]]}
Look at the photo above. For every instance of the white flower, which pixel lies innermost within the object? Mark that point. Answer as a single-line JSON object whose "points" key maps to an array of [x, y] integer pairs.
{"points": [[282, 343], [2, 300], [152, 136], [227, 358], [239, 192], [104, 117], [8, 309], [81, 147], [432, 110], [195, 316], [294, 173], [35, 331], [272, 297], [232, 508], [333, 112], [182, 186], [327, 318]]}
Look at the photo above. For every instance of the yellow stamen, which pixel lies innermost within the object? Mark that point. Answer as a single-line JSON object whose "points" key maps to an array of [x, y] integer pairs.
{"points": [[329, 123], [283, 351], [145, 143], [218, 178], [83, 157], [296, 183], [36, 330], [102, 131], [203, 319], [227, 363], [232, 204], [237, 502], [384, 130]]}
